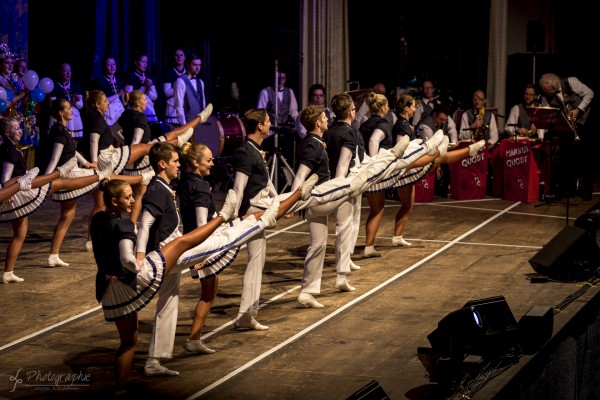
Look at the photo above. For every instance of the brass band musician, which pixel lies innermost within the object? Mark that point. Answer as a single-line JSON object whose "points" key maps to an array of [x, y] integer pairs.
{"points": [[573, 98], [518, 122], [478, 123]]}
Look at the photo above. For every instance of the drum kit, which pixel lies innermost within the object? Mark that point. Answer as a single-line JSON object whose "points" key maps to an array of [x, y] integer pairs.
{"points": [[222, 133]]}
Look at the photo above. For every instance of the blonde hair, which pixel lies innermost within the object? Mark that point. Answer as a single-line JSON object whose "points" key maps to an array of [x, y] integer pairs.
{"points": [[133, 99], [112, 189], [192, 152], [92, 98], [375, 102]]}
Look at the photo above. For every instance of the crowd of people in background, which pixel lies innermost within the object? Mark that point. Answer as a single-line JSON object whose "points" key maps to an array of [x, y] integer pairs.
{"points": [[110, 141]]}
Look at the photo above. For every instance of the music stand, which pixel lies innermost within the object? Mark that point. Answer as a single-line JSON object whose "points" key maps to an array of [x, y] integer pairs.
{"points": [[551, 119]]}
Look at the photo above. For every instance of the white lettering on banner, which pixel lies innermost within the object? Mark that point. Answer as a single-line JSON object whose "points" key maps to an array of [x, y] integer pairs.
{"points": [[513, 162], [472, 160], [517, 151]]}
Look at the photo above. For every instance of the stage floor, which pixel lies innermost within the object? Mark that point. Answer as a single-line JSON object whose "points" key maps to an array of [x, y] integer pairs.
{"points": [[461, 251]]}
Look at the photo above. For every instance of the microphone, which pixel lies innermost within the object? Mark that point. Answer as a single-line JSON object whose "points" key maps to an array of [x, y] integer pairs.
{"points": [[514, 125]]}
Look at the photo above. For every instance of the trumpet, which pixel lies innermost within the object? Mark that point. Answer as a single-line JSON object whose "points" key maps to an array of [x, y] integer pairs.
{"points": [[572, 122]]}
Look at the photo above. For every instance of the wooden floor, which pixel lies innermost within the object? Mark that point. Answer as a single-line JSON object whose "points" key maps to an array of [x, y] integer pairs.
{"points": [[461, 251]]}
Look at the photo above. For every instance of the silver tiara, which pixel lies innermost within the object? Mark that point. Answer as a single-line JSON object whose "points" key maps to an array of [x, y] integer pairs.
{"points": [[5, 51]]}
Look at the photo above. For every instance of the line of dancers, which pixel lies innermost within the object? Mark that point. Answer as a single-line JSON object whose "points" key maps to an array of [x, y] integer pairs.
{"points": [[134, 261]]}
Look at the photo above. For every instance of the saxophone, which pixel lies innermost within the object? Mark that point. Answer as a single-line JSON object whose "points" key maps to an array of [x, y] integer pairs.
{"points": [[479, 133]]}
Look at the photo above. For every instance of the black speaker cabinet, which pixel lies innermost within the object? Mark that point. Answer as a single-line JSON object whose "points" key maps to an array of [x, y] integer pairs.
{"points": [[536, 37], [371, 391], [590, 220], [572, 254], [536, 328]]}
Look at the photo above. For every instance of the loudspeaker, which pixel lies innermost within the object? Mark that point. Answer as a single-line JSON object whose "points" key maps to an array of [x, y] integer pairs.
{"points": [[536, 328], [536, 36], [590, 220], [371, 391], [572, 254]]}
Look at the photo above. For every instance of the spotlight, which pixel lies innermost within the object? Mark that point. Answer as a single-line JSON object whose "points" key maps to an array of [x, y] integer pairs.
{"points": [[484, 327]]}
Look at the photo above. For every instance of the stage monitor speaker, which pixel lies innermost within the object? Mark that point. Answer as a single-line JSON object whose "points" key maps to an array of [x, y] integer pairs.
{"points": [[536, 328], [590, 220], [483, 327], [371, 391], [536, 36], [572, 254]]}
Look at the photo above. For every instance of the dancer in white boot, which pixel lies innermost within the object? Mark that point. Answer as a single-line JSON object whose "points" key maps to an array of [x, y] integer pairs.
{"points": [[314, 158], [196, 210], [125, 285], [255, 191], [100, 137]]}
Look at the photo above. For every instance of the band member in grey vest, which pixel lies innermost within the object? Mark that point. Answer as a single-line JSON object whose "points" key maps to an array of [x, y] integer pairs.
{"points": [[478, 123], [518, 122], [573, 97], [189, 92], [287, 106]]}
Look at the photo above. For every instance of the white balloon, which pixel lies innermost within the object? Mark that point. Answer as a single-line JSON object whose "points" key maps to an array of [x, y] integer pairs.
{"points": [[2, 93], [46, 85], [31, 79]]}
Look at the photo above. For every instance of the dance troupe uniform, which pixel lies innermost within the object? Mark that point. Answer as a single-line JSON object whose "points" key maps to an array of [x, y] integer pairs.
{"points": [[258, 191], [396, 176], [121, 289], [59, 134], [135, 129], [195, 193], [103, 151], [24, 202]]}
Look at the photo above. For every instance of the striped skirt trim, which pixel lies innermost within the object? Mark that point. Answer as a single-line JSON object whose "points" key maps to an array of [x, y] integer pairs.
{"points": [[23, 203], [121, 301], [68, 195], [218, 263], [134, 170], [401, 178], [118, 157], [386, 183], [203, 251], [413, 176]]}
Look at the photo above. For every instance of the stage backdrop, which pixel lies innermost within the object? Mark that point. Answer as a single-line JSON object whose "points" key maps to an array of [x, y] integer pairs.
{"points": [[14, 25]]}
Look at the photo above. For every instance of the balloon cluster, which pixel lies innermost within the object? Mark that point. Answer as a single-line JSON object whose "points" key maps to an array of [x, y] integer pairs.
{"points": [[38, 89]]}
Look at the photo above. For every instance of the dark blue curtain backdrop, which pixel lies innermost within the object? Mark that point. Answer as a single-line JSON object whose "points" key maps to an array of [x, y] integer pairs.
{"points": [[122, 27], [14, 25], [442, 42]]}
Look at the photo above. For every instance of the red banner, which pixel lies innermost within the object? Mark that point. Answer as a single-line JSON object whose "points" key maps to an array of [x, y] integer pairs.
{"points": [[521, 174], [424, 188], [468, 177]]}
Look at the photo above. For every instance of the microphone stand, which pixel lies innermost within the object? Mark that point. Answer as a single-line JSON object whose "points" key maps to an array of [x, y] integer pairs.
{"points": [[277, 157]]}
